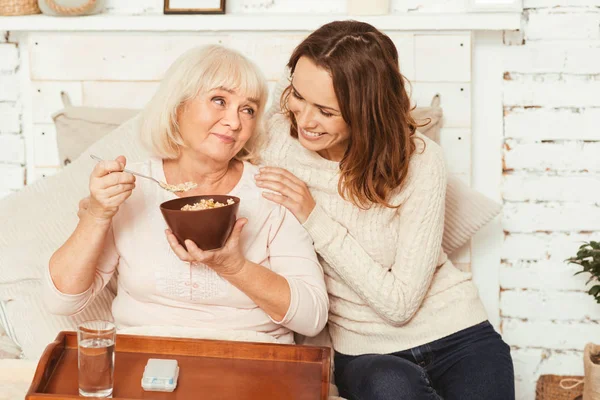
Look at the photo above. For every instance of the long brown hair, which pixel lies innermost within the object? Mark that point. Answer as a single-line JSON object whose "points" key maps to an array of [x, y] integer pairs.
{"points": [[363, 63]]}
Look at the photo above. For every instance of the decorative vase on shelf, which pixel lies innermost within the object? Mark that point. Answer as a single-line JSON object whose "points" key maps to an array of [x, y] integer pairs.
{"points": [[18, 7], [368, 7], [71, 8]]}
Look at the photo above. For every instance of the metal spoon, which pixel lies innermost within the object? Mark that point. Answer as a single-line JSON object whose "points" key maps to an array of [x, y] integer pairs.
{"points": [[164, 185]]}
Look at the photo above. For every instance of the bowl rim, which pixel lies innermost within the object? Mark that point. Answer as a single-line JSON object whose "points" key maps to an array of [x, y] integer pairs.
{"points": [[235, 199]]}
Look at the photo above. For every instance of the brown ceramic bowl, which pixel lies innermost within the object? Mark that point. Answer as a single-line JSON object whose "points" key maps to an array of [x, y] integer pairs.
{"points": [[208, 228]]}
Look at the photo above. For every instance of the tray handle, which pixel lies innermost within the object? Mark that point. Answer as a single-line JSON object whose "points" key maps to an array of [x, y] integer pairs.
{"points": [[46, 365]]}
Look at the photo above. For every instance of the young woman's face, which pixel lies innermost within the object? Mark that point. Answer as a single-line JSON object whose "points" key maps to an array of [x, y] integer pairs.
{"points": [[217, 124], [314, 104]]}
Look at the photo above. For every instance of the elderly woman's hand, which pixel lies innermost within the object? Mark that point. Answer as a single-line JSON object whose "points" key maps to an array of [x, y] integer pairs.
{"points": [[84, 204], [294, 194], [225, 261], [109, 188]]}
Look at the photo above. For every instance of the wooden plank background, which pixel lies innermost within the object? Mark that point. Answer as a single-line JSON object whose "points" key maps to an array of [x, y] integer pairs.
{"points": [[123, 70]]}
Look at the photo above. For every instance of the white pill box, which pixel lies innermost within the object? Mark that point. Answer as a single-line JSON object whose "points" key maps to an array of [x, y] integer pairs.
{"points": [[160, 375]]}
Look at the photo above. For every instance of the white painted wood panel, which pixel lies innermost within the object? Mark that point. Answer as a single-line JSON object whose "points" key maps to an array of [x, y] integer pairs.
{"points": [[9, 87], [117, 57], [270, 100], [488, 59], [455, 100], [123, 70], [443, 58], [270, 52], [133, 57], [12, 148], [9, 57], [456, 144], [43, 172], [405, 44], [13, 176], [128, 94], [45, 146], [10, 117], [46, 98], [118, 94]]}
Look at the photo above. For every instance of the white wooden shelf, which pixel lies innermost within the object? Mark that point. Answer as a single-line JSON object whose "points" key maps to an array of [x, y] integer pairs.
{"points": [[250, 22]]}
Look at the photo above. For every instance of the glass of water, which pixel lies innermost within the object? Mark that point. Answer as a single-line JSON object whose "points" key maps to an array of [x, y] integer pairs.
{"points": [[96, 345]]}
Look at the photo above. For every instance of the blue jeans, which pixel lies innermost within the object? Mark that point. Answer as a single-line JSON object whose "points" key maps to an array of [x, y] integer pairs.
{"points": [[472, 364]]}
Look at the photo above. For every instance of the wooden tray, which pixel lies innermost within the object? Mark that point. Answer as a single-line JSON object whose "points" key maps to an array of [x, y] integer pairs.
{"points": [[208, 369]]}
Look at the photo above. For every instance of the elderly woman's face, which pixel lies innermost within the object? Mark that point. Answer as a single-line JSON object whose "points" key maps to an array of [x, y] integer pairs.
{"points": [[217, 124]]}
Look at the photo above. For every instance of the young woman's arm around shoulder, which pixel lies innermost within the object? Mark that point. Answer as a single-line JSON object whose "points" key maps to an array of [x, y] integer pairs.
{"points": [[394, 293]]}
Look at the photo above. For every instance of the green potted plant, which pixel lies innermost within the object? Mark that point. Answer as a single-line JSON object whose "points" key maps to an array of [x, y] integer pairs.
{"points": [[588, 257]]}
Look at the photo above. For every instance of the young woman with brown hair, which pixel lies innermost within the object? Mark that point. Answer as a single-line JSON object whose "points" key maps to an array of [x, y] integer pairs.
{"points": [[369, 189]]}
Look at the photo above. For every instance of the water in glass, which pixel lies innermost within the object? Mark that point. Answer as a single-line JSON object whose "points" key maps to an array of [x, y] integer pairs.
{"points": [[96, 362]]}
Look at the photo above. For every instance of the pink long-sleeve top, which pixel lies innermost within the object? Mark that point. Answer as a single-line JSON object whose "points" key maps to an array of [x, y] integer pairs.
{"points": [[156, 288]]}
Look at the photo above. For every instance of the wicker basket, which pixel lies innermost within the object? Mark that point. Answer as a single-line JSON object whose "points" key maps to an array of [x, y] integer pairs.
{"points": [[548, 388], [19, 7]]}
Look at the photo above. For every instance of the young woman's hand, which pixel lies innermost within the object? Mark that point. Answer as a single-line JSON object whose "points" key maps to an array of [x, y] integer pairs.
{"points": [[294, 194], [109, 188], [225, 261]]}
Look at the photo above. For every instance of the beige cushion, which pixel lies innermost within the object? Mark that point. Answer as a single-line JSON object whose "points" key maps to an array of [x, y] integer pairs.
{"points": [[78, 128], [430, 119], [8, 348]]}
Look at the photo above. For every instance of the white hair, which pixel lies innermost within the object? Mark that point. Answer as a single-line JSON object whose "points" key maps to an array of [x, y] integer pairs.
{"points": [[196, 71]]}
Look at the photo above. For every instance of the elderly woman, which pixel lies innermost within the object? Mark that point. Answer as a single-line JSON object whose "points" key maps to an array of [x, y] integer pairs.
{"points": [[203, 125]]}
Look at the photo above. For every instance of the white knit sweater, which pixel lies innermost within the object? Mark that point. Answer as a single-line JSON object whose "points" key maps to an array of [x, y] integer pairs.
{"points": [[391, 286]]}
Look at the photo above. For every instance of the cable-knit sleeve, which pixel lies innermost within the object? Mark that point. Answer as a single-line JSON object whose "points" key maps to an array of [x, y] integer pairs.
{"points": [[394, 293]]}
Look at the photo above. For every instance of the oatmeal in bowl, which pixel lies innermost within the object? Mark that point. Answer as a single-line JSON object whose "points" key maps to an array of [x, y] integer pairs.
{"points": [[204, 204]]}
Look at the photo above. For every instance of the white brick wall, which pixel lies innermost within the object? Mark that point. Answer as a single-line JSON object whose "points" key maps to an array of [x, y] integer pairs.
{"points": [[531, 362], [566, 335], [12, 147], [9, 87], [548, 305], [572, 57], [575, 188], [551, 90], [551, 188], [565, 24], [9, 56], [552, 246], [552, 124]]}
